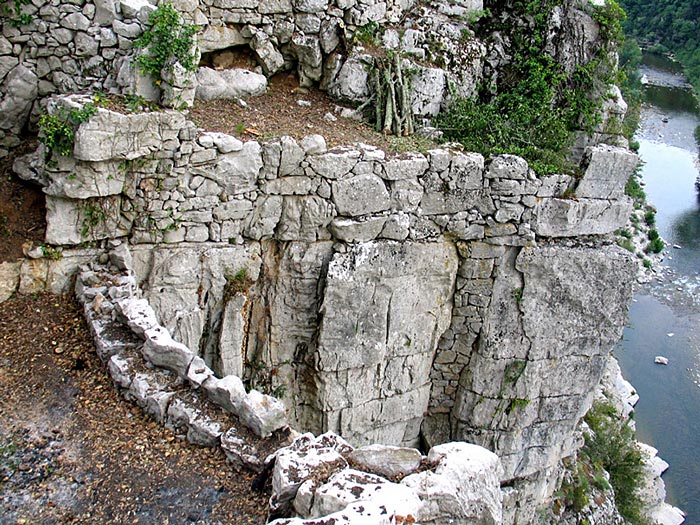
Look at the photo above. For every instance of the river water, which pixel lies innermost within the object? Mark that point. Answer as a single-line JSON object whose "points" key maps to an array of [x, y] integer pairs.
{"points": [[665, 315]]}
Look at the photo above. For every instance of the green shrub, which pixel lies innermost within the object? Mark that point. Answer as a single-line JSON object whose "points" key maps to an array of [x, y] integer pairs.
{"points": [[12, 9], [650, 217], [611, 445], [168, 39], [57, 131], [655, 246], [652, 234]]}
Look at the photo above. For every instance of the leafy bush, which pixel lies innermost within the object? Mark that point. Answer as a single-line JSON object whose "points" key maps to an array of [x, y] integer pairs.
{"points": [[611, 446], [12, 9], [655, 246], [57, 131], [168, 39], [537, 106], [650, 217]]}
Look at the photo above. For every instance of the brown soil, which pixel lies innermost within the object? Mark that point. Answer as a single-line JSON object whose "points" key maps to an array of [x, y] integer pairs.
{"points": [[22, 209], [278, 113], [73, 451]]}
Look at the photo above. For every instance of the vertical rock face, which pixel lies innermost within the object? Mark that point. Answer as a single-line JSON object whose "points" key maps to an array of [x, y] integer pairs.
{"points": [[390, 298], [385, 306]]}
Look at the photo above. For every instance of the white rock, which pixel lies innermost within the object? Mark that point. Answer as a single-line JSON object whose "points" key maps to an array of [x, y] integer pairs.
{"points": [[307, 458], [464, 486], [228, 392], [352, 486], [229, 84], [263, 414], [661, 360], [386, 460], [162, 351], [314, 144], [138, 314]]}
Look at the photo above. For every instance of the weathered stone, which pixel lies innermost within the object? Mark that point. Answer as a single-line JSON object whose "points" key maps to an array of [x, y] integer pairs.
{"points": [[304, 218], [239, 452], [227, 392], [109, 135], [427, 91], [410, 166], [237, 172], [310, 57], [219, 37], [275, 6], [313, 144], [351, 230], [334, 164], [263, 414], [93, 179], [350, 84], [464, 486], [198, 372], [360, 195], [308, 457], [571, 218], [138, 314], [372, 282], [608, 169], [120, 370], [9, 279], [232, 337], [77, 221], [387, 461], [162, 351], [268, 55], [229, 84], [349, 486], [76, 22], [20, 89]]}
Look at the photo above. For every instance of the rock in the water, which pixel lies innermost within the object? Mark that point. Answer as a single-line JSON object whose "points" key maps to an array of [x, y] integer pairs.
{"points": [[661, 360]]}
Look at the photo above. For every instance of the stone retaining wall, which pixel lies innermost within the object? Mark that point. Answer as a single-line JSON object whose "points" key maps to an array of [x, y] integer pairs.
{"points": [[88, 46], [389, 298]]}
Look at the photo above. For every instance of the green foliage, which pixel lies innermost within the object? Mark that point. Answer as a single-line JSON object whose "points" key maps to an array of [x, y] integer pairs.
{"points": [[57, 131], [610, 17], [168, 39], [668, 25], [94, 215], [652, 234], [51, 253], [537, 106], [368, 34], [611, 445], [626, 244], [634, 189], [576, 489], [12, 9], [647, 263], [655, 246], [650, 217]]}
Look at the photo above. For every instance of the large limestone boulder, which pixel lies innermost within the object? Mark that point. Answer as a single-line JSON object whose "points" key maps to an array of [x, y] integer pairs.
{"points": [[384, 308], [229, 84], [19, 90], [464, 488]]}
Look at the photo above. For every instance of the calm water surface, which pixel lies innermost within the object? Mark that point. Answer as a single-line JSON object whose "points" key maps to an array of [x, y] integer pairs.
{"points": [[665, 316]]}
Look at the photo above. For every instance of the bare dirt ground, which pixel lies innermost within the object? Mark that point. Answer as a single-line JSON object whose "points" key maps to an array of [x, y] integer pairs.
{"points": [[73, 451], [22, 211], [278, 113]]}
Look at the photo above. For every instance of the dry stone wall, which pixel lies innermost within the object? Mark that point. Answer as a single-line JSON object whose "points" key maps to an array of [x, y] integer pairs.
{"points": [[88, 46], [429, 296]]}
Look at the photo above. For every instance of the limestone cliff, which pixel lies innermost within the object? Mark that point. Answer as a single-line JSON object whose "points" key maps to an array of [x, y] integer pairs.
{"points": [[407, 299]]}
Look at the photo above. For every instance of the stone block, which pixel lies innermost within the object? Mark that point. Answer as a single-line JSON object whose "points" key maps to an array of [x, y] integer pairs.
{"points": [[360, 195]]}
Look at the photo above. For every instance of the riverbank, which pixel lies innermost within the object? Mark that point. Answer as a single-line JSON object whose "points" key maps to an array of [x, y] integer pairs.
{"points": [[666, 310]]}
